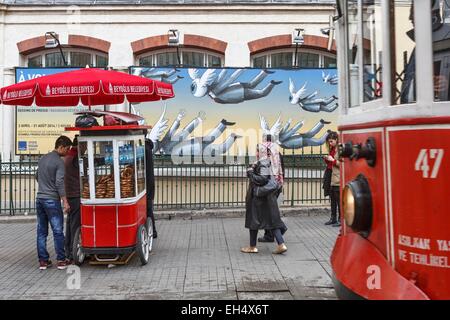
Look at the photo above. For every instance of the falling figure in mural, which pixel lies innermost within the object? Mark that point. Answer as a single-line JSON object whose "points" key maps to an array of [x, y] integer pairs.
{"points": [[333, 80], [156, 74], [177, 143], [225, 90], [289, 138], [309, 102]]}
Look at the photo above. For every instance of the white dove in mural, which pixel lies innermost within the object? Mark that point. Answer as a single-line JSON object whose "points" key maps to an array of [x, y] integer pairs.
{"points": [[157, 130], [225, 89], [309, 102], [328, 78]]}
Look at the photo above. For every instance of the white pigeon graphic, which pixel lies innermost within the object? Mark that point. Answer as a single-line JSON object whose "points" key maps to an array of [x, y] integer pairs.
{"points": [[309, 102]]}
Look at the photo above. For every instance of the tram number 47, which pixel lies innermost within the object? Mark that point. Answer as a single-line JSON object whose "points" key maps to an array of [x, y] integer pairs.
{"points": [[423, 159]]}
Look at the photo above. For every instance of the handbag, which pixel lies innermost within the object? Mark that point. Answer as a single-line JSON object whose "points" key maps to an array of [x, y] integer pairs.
{"points": [[85, 121], [271, 186]]}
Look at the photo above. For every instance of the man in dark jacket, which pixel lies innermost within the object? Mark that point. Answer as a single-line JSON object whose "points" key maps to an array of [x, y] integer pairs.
{"points": [[150, 181], [72, 186]]}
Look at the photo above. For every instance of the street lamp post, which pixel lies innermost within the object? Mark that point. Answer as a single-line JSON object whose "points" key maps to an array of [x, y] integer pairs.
{"points": [[52, 41], [298, 40], [174, 40]]}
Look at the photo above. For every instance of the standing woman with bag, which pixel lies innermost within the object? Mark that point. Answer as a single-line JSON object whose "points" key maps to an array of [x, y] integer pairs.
{"points": [[332, 178], [262, 212]]}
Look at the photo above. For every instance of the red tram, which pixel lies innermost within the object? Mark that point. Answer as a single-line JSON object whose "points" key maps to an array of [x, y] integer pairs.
{"points": [[394, 67]]}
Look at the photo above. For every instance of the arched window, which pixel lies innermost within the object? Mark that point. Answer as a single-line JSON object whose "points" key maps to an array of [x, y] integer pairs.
{"points": [[193, 51], [285, 58], [188, 57], [79, 51], [74, 57], [279, 52]]}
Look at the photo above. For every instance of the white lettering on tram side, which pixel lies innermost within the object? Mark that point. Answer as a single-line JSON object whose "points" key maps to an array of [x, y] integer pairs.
{"points": [[429, 260], [414, 242], [444, 245], [422, 162]]}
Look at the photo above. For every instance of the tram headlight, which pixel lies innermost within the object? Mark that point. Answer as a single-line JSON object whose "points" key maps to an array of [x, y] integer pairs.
{"points": [[357, 204]]}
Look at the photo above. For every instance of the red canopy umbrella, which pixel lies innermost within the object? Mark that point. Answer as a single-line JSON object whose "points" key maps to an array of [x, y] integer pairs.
{"points": [[91, 86]]}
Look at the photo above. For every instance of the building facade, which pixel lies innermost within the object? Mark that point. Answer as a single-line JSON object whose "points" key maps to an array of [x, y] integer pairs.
{"points": [[119, 34]]}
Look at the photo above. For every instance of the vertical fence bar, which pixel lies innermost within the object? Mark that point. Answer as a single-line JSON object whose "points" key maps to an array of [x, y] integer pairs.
{"points": [[1, 184]]}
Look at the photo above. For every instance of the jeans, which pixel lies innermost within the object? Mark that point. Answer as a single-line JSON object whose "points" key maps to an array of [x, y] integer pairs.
{"points": [[73, 222], [278, 236], [49, 210]]}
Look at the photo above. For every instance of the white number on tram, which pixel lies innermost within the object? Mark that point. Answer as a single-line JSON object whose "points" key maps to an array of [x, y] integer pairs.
{"points": [[422, 162]]}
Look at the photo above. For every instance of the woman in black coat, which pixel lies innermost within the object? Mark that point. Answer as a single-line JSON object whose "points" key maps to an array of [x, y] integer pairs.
{"points": [[261, 204]]}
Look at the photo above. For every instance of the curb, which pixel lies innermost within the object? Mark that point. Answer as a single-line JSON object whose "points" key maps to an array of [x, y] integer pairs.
{"points": [[197, 214]]}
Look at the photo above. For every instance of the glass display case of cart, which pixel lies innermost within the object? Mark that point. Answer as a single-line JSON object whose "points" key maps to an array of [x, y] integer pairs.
{"points": [[118, 167]]}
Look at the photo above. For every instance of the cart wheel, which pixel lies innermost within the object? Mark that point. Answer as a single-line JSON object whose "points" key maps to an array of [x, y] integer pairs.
{"points": [[149, 225], [77, 250], [142, 244]]}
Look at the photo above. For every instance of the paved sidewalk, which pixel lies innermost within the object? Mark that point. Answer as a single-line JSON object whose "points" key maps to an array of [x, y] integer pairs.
{"points": [[191, 259]]}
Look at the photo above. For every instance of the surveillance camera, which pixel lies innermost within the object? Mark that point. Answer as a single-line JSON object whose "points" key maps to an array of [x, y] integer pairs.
{"points": [[325, 31]]}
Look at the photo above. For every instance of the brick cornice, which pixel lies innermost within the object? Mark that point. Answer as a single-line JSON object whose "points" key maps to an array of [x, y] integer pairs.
{"points": [[31, 45], [285, 41], [190, 41], [202, 42], [36, 44], [80, 41]]}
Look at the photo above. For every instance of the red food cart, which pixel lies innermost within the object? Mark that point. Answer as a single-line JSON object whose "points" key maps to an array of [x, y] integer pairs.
{"points": [[114, 222]]}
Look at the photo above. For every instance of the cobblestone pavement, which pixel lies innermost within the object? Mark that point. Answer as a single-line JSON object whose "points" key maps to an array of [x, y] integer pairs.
{"points": [[191, 259]]}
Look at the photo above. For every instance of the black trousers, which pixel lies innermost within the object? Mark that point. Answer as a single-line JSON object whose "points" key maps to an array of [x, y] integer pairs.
{"points": [[73, 222], [335, 203], [150, 212], [253, 236]]}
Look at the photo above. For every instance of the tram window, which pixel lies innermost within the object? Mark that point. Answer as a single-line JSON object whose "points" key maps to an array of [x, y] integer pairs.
{"points": [[440, 17], [353, 52], [405, 66], [372, 60]]}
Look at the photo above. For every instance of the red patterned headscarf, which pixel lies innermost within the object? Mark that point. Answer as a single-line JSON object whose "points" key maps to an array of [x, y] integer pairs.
{"points": [[269, 150]]}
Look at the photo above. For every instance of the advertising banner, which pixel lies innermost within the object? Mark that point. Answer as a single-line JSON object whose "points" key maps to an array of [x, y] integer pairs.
{"points": [[37, 128], [227, 111]]}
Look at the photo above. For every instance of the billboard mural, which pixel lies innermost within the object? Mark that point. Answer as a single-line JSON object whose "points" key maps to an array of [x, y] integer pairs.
{"points": [[37, 128], [230, 109]]}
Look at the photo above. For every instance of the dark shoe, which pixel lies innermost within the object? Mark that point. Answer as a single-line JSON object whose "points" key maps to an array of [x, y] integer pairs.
{"points": [[266, 239], [43, 265], [324, 122], [274, 82], [331, 221], [155, 234], [61, 265], [337, 224]]}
